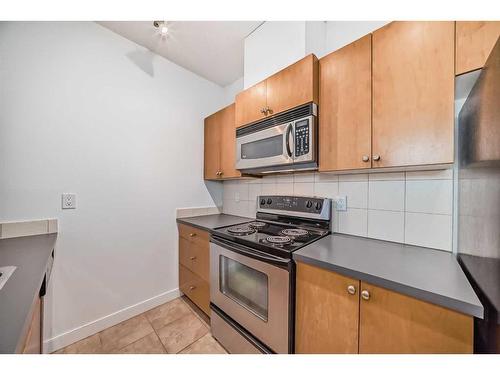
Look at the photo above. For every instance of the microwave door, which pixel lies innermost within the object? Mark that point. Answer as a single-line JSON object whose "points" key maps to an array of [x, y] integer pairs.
{"points": [[264, 148]]}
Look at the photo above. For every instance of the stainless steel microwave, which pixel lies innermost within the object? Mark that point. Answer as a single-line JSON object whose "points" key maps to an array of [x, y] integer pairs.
{"points": [[282, 143]]}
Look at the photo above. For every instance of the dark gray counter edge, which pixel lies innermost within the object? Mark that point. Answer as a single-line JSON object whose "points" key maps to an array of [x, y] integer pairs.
{"points": [[237, 220], [423, 295]]}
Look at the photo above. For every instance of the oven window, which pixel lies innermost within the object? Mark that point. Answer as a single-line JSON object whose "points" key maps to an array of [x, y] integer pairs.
{"points": [[263, 148], [244, 285]]}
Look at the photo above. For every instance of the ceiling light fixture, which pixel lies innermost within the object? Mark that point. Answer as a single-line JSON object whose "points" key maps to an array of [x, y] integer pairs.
{"points": [[161, 26]]}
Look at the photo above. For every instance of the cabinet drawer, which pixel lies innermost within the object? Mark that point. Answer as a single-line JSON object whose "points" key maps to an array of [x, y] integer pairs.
{"points": [[195, 288], [194, 235], [195, 257]]}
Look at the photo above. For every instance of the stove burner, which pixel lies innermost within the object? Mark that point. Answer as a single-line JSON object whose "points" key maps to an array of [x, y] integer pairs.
{"points": [[294, 232], [257, 224], [241, 231], [279, 240]]}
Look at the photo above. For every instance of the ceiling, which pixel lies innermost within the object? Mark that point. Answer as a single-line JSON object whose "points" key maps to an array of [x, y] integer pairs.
{"points": [[211, 49]]}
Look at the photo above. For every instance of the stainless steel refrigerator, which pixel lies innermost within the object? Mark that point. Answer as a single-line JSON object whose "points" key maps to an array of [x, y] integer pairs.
{"points": [[478, 210]]}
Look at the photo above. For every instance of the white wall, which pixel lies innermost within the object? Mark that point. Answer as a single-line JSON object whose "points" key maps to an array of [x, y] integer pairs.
{"points": [[271, 47], [86, 111], [231, 90], [407, 207]]}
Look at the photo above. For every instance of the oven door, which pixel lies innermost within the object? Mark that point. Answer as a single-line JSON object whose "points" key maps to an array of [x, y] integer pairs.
{"points": [[253, 289], [266, 148]]}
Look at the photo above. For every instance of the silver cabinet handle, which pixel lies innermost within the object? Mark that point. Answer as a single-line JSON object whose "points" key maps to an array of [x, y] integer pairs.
{"points": [[192, 258], [351, 289], [192, 288], [365, 295], [366, 158], [268, 111], [263, 111], [192, 234], [376, 157]]}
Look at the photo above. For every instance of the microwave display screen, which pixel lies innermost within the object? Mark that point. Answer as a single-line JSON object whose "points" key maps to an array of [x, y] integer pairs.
{"points": [[301, 138], [263, 148]]}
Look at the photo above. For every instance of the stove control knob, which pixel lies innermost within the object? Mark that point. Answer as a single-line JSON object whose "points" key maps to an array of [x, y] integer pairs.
{"points": [[269, 201], [309, 204], [318, 206], [262, 202]]}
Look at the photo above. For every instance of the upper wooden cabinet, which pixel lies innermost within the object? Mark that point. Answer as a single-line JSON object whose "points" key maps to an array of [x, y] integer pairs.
{"points": [[413, 94], [392, 323], [220, 145], [327, 313], [345, 104], [293, 86], [474, 42]]}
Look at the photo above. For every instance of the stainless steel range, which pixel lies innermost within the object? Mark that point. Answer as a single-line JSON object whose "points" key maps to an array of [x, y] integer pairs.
{"points": [[252, 286]]}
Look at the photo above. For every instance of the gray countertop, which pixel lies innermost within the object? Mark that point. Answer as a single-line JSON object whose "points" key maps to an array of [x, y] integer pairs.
{"points": [[210, 222], [30, 255], [430, 275]]}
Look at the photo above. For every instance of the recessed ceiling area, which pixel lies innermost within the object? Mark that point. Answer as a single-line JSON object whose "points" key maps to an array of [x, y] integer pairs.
{"points": [[211, 49]]}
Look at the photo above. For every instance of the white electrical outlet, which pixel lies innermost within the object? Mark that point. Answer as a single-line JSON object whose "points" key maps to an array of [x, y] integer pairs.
{"points": [[68, 200], [341, 203]]}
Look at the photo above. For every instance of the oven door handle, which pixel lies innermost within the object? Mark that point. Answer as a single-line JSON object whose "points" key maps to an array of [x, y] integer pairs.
{"points": [[289, 131], [254, 254]]}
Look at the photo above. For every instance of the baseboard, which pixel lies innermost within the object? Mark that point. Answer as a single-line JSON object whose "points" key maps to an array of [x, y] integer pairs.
{"points": [[88, 329]]}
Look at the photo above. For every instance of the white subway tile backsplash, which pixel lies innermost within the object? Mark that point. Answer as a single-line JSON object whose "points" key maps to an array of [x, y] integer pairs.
{"points": [[354, 221], [444, 174], [428, 230], [386, 225], [326, 189], [303, 188], [356, 192], [432, 196], [408, 207], [386, 195]]}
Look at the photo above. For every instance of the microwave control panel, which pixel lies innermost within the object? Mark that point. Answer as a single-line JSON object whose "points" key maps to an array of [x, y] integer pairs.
{"points": [[302, 137]]}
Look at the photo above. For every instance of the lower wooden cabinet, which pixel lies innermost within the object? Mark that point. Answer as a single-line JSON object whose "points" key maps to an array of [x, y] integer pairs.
{"points": [[33, 342], [338, 314], [327, 315], [194, 259]]}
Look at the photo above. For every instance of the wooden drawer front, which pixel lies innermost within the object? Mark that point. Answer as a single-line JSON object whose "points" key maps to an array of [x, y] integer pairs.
{"points": [[193, 234], [395, 323], [195, 257], [195, 288]]}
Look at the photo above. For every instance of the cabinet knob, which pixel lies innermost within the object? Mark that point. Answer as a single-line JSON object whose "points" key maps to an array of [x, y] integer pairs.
{"points": [[263, 111], [192, 258], [351, 289], [192, 288], [366, 158], [192, 234], [365, 295], [268, 111], [376, 157]]}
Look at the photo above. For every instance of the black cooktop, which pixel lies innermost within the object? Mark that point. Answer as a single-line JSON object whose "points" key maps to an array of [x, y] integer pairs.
{"points": [[274, 238]]}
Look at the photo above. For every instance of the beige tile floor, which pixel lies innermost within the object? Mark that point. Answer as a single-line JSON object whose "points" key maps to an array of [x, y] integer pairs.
{"points": [[175, 327]]}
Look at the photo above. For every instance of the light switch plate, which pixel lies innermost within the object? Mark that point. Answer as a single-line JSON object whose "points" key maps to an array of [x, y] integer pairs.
{"points": [[341, 203], [68, 201]]}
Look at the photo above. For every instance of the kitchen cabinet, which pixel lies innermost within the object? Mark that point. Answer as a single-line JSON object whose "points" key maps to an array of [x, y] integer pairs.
{"points": [[345, 103], [474, 42], [413, 94], [293, 86], [394, 323], [327, 313], [33, 341], [194, 255], [220, 145], [339, 314]]}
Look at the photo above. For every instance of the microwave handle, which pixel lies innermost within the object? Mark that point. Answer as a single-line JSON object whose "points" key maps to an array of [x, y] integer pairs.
{"points": [[289, 148]]}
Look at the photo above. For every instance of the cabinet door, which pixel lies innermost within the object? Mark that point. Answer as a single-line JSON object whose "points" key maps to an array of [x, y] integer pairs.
{"points": [[250, 104], [195, 288], [345, 103], [294, 85], [228, 143], [327, 315], [413, 94], [212, 147], [394, 323], [475, 39]]}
